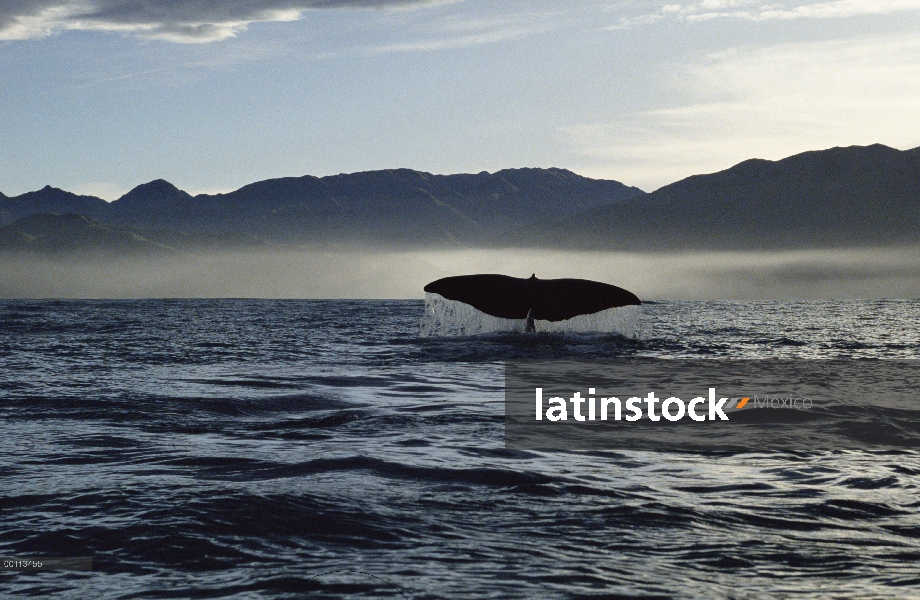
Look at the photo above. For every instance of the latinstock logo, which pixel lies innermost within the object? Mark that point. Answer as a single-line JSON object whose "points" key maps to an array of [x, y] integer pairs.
{"points": [[708, 404], [672, 408]]}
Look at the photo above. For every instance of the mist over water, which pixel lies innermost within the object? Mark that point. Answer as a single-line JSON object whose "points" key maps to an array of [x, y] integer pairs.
{"points": [[383, 273]]}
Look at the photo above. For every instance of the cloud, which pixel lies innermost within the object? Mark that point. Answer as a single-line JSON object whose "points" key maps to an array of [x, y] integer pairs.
{"points": [[184, 21], [761, 102], [756, 10], [455, 33], [449, 43], [836, 9]]}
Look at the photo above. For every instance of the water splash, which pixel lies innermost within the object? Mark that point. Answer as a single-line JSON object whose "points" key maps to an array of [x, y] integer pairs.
{"points": [[445, 317]]}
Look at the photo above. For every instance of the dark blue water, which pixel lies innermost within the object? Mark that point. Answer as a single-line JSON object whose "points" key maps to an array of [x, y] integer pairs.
{"points": [[238, 449]]}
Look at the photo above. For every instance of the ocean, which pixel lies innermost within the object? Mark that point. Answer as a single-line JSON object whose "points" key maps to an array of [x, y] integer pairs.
{"points": [[326, 449]]}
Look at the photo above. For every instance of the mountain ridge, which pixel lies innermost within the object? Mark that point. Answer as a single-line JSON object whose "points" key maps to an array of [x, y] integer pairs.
{"points": [[838, 197], [395, 206], [843, 196]]}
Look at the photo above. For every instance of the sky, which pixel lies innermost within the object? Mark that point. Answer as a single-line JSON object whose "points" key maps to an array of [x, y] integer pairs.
{"points": [[98, 96]]}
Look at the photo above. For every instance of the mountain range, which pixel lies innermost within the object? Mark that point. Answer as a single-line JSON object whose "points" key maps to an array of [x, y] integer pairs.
{"points": [[393, 208], [841, 197]]}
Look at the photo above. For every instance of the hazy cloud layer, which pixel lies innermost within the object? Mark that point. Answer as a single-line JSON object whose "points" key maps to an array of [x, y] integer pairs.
{"points": [[756, 10], [186, 21], [460, 33], [807, 274]]}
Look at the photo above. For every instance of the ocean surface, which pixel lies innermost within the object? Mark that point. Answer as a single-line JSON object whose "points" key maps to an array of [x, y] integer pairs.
{"points": [[325, 449]]}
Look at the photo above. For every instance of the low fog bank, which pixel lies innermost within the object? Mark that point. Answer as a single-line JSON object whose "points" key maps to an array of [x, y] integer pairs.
{"points": [[812, 274]]}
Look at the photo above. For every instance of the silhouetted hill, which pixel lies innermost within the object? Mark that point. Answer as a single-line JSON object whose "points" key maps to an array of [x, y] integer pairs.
{"points": [[154, 204], [69, 234], [855, 196], [51, 200], [397, 207], [51, 233]]}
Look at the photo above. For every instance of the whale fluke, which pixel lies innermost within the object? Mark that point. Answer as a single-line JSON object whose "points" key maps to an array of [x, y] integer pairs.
{"points": [[532, 299]]}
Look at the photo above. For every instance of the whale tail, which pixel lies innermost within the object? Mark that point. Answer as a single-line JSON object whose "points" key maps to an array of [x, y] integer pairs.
{"points": [[543, 299]]}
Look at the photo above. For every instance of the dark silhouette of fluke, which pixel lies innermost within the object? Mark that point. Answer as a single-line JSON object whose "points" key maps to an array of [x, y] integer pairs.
{"points": [[532, 299]]}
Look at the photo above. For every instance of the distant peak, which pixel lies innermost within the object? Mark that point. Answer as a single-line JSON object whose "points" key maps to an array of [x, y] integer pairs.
{"points": [[157, 184], [158, 189], [45, 191]]}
